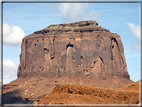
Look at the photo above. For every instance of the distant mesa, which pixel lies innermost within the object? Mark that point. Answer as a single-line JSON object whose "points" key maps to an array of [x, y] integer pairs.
{"points": [[77, 49]]}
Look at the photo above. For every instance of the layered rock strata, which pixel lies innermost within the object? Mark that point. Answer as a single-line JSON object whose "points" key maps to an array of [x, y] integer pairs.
{"points": [[77, 49]]}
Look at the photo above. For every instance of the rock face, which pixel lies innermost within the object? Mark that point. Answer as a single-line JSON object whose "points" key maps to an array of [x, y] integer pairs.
{"points": [[77, 49]]}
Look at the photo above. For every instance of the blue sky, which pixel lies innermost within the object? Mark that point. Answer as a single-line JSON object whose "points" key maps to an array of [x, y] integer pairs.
{"points": [[22, 19]]}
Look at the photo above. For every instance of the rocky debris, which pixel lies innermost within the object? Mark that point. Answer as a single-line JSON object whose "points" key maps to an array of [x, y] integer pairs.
{"points": [[81, 94], [36, 87], [77, 49], [28, 91], [13, 84]]}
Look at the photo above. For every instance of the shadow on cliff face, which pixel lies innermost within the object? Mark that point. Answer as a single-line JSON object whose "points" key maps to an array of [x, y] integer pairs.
{"points": [[13, 97]]}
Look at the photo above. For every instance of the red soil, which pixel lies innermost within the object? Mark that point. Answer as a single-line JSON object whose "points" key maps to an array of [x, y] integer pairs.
{"points": [[83, 94]]}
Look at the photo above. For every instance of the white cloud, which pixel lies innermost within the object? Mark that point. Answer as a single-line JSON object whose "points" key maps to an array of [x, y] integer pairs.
{"points": [[135, 30], [9, 71], [76, 12], [12, 35]]}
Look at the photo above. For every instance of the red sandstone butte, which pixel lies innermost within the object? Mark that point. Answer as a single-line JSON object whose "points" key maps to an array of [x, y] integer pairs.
{"points": [[77, 49]]}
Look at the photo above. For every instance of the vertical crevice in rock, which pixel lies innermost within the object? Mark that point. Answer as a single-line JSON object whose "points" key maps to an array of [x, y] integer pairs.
{"points": [[43, 54], [113, 39], [47, 59], [53, 49], [112, 47], [26, 57], [117, 63], [122, 63], [96, 68], [69, 54], [26, 48]]}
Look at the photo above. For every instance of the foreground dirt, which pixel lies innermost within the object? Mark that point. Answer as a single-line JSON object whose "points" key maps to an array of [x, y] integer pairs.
{"points": [[28, 90], [83, 94]]}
